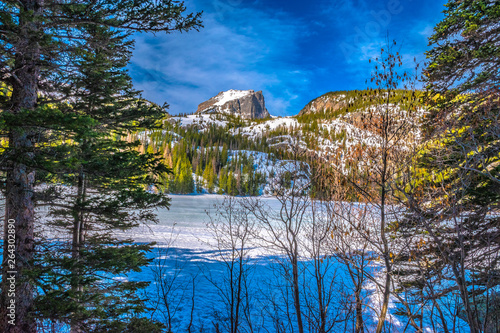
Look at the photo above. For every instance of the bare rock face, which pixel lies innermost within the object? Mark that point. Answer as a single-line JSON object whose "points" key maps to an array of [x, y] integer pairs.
{"points": [[247, 104], [329, 101]]}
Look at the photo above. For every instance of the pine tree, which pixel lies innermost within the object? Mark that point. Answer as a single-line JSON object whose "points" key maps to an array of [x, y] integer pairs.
{"points": [[223, 181], [207, 173], [224, 155], [231, 184], [186, 177], [239, 180], [199, 174], [209, 176], [109, 179], [35, 61], [176, 182], [455, 187]]}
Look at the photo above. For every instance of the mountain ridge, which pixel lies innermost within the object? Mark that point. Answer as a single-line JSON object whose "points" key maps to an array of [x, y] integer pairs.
{"points": [[332, 127]]}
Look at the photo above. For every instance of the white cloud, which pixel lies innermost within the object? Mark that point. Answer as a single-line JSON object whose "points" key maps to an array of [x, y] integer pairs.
{"points": [[239, 48], [426, 31]]}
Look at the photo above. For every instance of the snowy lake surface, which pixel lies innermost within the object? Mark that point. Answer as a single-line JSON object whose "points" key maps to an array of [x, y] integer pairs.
{"points": [[184, 253], [186, 258], [186, 221]]}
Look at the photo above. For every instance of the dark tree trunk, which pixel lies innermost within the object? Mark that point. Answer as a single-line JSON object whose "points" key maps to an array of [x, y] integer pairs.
{"points": [[385, 178], [296, 290], [321, 307], [19, 205], [78, 225], [360, 325]]}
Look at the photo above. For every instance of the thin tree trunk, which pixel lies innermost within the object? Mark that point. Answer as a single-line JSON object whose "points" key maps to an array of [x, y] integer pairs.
{"points": [[296, 293], [239, 290], [385, 304], [77, 243], [191, 313], [441, 316], [386, 252], [19, 205], [321, 308], [464, 294], [359, 310], [232, 302]]}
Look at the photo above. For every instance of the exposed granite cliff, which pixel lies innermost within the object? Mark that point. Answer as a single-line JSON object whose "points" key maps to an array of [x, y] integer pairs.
{"points": [[247, 104]]}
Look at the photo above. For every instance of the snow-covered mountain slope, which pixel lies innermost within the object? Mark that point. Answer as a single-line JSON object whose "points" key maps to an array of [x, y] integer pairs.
{"points": [[332, 128], [231, 95], [274, 171], [201, 121]]}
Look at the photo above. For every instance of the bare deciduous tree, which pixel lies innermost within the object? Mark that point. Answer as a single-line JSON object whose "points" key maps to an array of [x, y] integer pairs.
{"points": [[281, 230], [324, 296], [369, 171], [232, 230]]}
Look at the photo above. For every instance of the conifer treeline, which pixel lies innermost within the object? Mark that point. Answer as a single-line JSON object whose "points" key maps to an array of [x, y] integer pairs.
{"points": [[207, 159], [204, 155]]}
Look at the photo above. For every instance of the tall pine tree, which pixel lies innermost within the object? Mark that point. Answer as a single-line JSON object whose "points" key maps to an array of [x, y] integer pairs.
{"points": [[455, 188], [40, 45], [107, 182]]}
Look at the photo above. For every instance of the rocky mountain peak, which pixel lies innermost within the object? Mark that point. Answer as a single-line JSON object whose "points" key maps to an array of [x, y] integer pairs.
{"points": [[247, 104]]}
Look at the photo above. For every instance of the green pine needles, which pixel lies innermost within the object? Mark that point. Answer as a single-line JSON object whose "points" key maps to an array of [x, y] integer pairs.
{"points": [[66, 102]]}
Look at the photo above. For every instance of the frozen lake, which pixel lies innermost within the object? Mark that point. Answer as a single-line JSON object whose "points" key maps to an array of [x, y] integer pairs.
{"points": [[185, 257], [184, 253], [185, 220]]}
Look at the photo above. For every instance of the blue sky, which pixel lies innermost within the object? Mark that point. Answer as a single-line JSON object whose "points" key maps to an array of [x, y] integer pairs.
{"points": [[294, 51]]}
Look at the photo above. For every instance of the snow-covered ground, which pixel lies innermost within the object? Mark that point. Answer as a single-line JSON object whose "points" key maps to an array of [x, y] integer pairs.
{"points": [[256, 130], [274, 169], [231, 95], [186, 253], [201, 120]]}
